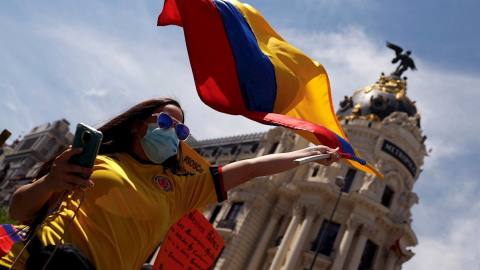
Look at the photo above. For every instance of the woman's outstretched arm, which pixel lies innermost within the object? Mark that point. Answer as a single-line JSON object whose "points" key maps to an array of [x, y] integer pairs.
{"points": [[239, 172]]}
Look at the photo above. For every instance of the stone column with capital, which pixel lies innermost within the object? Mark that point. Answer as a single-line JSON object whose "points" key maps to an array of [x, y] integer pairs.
{"points": [[351, 227], [296, 248], [267, 234], [280, 254], [391, 259], [365, 233]]}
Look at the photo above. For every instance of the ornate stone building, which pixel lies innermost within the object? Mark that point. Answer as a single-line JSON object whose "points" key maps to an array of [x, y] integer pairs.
{"points": [[41, 143], [280, 221]]}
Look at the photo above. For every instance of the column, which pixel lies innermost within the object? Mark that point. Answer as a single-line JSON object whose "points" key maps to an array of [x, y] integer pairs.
{"points": [[392, 257], [351, 227], [296, 248], [279, 256], [360, 246], [262, 245]]}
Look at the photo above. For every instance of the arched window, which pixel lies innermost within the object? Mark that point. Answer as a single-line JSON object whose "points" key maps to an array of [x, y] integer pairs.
{"points": [[349, 180], [368, 256], [328, 235], [387, 196]]}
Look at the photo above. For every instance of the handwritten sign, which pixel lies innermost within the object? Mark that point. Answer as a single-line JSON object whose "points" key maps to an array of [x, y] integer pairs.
{"points": [[191, 244]]}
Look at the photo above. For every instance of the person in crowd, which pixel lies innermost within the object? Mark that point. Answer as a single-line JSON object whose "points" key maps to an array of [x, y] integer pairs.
{"points": [[136, 191]]}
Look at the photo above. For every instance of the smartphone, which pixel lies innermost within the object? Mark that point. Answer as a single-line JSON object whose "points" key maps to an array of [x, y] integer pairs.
{"points": [[89, 139]]}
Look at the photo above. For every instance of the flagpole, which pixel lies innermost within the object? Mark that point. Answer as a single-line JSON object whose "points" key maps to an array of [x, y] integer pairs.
{"points": [[339, 182], [300, 161]]}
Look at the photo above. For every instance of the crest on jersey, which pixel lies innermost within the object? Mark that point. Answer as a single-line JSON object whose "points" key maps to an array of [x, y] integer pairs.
{"points": [[164, 183]]}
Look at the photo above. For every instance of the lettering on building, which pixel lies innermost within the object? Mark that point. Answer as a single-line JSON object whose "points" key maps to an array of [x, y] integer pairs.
{"points": [[400, 155]]}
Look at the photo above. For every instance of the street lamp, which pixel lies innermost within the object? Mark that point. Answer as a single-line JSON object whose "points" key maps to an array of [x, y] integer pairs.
{"points": [[340, 183]]}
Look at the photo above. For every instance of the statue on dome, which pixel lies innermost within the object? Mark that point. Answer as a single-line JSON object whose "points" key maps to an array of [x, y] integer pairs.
{"points": [[405, 60]]}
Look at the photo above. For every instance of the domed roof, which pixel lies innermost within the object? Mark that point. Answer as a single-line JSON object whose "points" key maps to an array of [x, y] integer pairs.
{"points": [[378, 101]]}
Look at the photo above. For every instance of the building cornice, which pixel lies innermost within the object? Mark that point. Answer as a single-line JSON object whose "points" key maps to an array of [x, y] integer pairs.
{"points": [[376, 208]]}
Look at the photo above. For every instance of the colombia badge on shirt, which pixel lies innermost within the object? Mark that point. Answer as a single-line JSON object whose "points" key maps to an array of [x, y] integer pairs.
{"points": [[164, 183]]}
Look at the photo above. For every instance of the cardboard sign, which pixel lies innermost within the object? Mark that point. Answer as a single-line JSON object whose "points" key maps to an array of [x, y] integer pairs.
{"points": [[190, 244]]}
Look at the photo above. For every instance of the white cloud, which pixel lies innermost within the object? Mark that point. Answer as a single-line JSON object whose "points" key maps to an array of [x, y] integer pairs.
{"points": [[11, 106], [97, 93], [352, 59], [454, 247]]}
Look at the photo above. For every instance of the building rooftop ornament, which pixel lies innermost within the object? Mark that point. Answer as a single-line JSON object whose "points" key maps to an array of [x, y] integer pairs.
{"points": [[379, 100], [405, 60]]}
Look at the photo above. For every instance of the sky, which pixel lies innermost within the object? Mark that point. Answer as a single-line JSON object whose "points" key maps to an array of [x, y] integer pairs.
{"points": [[86, 61]]}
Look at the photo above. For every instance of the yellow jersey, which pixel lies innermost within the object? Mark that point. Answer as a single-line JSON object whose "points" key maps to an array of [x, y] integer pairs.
{"points": [[126, 214]]}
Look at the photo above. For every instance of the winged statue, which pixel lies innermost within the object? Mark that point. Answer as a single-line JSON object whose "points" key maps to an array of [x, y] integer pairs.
{"points": [[405, 60]]}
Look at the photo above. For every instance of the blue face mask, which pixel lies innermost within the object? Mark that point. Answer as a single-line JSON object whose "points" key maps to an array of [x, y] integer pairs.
{"points": [[159, 144]]}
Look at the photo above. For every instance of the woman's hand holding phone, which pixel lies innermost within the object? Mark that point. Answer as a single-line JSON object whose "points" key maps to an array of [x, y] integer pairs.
{"points": [[72, 168], [66, 176]]}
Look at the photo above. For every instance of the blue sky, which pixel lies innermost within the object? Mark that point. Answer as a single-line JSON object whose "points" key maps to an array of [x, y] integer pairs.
{"points": [[86, 61]]}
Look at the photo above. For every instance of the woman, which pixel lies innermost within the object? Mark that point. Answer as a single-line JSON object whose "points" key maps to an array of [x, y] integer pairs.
{"points": [[126, 212]]}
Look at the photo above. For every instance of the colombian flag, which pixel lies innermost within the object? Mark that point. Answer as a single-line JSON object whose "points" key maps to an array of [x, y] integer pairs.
{"points": [[8, 236], [241, 66]]}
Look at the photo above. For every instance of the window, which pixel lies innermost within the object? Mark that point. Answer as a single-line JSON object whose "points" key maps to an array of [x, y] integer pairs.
{"points": [[44, 151], [47, 147], [278, 241], [28, 163], [349, 180], [230, 220], [27, 144], [387, 196], [215, 213], [206, 152], [315, 171], [328, 239], [274, 148], [366, 262], [234, 210], [254, 148]]}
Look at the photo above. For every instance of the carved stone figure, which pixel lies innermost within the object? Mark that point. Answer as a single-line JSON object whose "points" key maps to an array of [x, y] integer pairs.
{"points": [[405, 60], [346, 103]]}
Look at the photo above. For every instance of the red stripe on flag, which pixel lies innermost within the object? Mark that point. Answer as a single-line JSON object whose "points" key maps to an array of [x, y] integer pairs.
{"points": [[324, 135], [6, 242], [211, 57], [169, 15]]}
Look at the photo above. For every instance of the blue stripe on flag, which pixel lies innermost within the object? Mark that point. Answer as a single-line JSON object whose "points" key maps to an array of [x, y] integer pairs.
{"points": [[256, 73], [347, 148], [12, 232]]}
